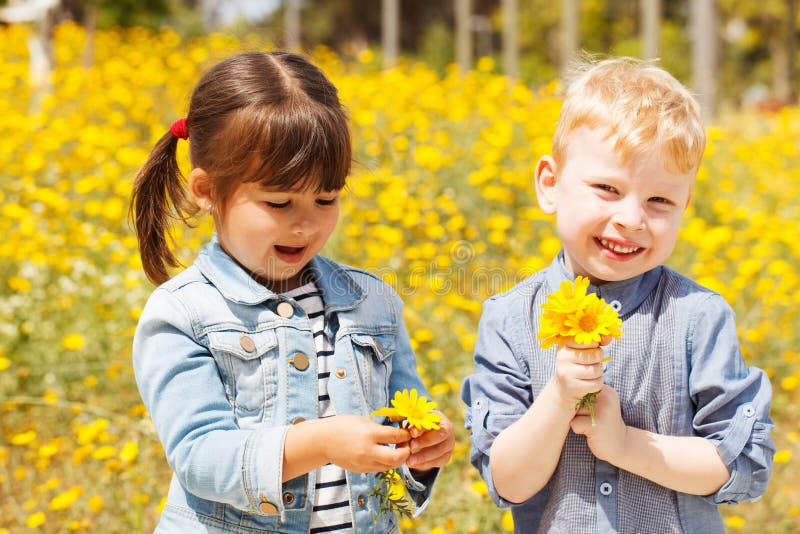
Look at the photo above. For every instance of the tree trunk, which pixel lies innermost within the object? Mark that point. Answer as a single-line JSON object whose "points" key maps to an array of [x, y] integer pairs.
{"points": [[651, 28], [570, 18], [390, 32], [704, 55], [791, 49], [292, 24], [463, 34], [511, 38]]}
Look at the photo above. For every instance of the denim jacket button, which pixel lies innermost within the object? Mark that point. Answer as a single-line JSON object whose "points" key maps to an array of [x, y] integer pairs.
{"points": [[288, 497], [268, 508], [361, 501], [247, 343], [340, 372], [285, 310], [300, 361], [298, 420]]}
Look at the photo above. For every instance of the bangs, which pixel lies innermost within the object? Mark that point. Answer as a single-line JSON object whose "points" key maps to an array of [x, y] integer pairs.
{"points": [[299, 145]]}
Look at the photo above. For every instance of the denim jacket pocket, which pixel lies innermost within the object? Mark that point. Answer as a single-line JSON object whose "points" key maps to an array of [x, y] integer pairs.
{"points": [[247, 362], [373, 354]]}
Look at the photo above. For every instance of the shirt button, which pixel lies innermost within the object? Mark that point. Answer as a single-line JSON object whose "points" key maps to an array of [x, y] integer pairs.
{"points": [[340, 372], [285, 310], [749, 411], [615, 305], [267, 508], [300, 361], [247, 343], [606, 489]]}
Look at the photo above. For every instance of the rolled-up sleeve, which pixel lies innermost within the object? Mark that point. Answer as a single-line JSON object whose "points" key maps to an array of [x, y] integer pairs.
{"points": [[498, 393], [732, 402], [181, 388]]}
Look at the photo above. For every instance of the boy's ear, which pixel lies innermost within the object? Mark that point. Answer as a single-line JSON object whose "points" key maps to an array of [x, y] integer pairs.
{"points": [[199, 184], [546, 184]]}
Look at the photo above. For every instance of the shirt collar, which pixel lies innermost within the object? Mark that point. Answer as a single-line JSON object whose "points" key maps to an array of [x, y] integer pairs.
{"points": [[624, 295], [339, 290]]}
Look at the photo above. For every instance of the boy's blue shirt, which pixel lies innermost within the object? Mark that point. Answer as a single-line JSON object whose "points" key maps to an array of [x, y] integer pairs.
{"points": [[679, 371], [214, 362]]}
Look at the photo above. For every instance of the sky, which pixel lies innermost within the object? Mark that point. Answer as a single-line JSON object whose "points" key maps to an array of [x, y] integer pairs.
{"points": [[230, 11]]}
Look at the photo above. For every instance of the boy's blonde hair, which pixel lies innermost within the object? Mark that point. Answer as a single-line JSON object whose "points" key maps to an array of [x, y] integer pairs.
{"points": [[642, 104]]}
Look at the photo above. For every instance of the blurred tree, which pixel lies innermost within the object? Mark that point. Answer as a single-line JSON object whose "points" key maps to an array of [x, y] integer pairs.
{"points": [[761, 49]]}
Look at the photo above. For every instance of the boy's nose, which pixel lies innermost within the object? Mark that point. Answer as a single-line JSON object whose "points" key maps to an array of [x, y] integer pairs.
{"points": [[630, 216]]}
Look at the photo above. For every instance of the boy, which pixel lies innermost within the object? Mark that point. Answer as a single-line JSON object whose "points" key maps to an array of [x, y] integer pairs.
{"points": [[682, 424]]}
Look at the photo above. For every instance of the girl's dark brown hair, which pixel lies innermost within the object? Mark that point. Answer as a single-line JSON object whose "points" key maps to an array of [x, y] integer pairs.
{"points": [[268, 117]]}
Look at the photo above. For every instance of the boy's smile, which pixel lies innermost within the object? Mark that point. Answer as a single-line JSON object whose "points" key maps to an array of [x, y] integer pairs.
{"points": [[616, 219]]}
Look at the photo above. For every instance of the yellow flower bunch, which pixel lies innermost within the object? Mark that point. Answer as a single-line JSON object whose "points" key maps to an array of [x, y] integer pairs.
{"points": [[570, 314], [411, 410]]}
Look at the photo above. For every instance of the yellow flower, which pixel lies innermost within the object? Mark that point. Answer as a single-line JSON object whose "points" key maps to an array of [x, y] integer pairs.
{"points": [[783, 456], [413, 408], [73, 342], [594, 320], [35, 520], [64, 500], [508, 521], [397, 490], [568, 298], [571, 314], [735, 521], [96, 503], [24, 438]]}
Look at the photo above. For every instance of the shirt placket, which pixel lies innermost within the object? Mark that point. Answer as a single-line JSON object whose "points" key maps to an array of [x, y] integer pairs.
{"points": [[606, 486]]}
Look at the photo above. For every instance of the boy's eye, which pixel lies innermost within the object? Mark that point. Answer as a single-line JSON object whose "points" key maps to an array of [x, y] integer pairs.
{"points": [[327, 201], [278, 205], [660, 200], [605, 187]]}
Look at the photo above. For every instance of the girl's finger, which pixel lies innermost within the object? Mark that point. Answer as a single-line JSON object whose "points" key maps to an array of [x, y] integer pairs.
{"points": [[390, 434], [389, 458]]}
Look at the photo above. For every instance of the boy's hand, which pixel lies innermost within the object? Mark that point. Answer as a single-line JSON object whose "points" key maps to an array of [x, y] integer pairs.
{"points": [[357, 444], [606, 438], [431, 448], [579, 370]]}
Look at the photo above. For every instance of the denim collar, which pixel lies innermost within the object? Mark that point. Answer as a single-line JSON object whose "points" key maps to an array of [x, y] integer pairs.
{"points": [[627, 294], [339, 290]]}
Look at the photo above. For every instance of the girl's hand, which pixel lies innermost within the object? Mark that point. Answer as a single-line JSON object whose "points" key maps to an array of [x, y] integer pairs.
{"points": [[358, 444], [606, 438], [579, 370], [431, 448]]}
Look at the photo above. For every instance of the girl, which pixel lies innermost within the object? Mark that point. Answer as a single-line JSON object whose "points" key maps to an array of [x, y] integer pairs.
{"points": [[261, 362]]}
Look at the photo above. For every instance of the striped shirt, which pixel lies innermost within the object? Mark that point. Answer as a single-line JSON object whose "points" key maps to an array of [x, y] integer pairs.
{"points": [[331, 510]]}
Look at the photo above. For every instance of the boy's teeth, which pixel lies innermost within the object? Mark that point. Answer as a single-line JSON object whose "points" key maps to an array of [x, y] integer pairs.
{"points": [[618, 248]]}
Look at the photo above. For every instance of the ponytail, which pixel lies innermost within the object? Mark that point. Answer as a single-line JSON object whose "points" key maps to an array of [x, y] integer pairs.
{"points": [[158, 198]]}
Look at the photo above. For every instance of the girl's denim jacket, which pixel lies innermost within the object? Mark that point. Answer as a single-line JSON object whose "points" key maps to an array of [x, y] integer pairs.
{"points": [[215, 364]]}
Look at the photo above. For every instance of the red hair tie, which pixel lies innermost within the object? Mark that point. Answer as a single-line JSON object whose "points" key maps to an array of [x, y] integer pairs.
{"points": [[179, 130]]}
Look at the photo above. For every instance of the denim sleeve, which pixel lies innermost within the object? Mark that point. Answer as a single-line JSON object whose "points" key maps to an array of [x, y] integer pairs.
{"points": [[498, 393], [732, 402], [405, 376], [180, 385]]}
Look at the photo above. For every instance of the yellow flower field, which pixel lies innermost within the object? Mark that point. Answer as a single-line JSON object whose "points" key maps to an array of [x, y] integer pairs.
{"points": [[440, 204]]}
